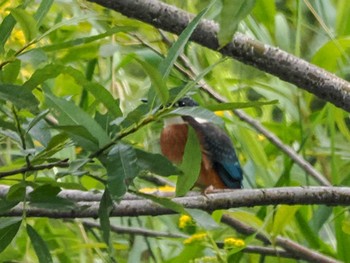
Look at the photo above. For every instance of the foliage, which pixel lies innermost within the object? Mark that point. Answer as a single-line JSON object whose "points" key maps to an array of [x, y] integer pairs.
{"points": [[72, 76]]}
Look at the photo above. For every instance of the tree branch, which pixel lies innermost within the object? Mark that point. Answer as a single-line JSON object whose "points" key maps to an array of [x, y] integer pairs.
{"points": [[332, 196], [290, 246], [267, 251], [32, 168], [287, 67]]}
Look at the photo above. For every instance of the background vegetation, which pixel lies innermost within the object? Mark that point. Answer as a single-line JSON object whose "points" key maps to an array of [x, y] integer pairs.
{"points": [[71, 82]]}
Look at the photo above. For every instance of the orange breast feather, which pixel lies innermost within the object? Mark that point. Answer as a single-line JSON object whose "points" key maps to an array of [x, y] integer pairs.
{"points": [[173, 141]]}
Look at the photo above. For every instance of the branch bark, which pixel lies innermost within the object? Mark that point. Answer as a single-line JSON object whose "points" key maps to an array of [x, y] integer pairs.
{"points": [[332, 196], [272, 60]]}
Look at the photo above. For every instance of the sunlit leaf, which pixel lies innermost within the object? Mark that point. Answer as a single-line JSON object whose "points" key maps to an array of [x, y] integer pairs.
{"points": [[232, 12], [8, 230], [191, 164], [177, 48], [27, 23], [40, 247]]}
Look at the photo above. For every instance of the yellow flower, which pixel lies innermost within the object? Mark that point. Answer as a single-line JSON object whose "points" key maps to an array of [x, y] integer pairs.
{"points": [[196, 238], [161, 189], [261, 137], [231, 242], [184, 221]]}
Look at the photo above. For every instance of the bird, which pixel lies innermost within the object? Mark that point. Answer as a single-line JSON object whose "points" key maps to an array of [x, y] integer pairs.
{"points": [[220, 168]]}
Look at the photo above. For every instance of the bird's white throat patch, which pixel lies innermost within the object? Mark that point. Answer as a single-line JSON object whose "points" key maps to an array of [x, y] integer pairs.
{"points": [[179, 120]]}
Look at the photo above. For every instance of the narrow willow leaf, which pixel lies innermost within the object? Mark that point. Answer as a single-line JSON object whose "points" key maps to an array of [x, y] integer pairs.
{"points": [[40, 247], [43, 9], [104, 210], [70, 114], [190, 85], [10, 71], [19, 96], [198, 112], [177, 48], [6, 28], [36, 119], [8, 230], [232, 12], [27, 23], [157, 81], [191, 164], [238, 105]]}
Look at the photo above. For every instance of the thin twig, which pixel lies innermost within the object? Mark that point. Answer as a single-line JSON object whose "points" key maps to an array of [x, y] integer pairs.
{"points": [[62, 163]]}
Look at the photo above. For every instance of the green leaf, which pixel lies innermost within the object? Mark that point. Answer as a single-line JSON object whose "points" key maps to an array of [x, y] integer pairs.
{"points": [[27, 23], [102, 95], [56, 144], [177, 48], [10, 71], [158, 83], [191, 164], [42, 10], [86, 40], [232, 12], [81, 136], [166, 202], [44, 191], [6, 28], [70, 114], [202, 218], [198, 112], [282, 218], [36, 119], [98, 91], [104, 210], [155, 163], [21, 97], [40, 247], [332, 54], [121, 168], [238, 105], [8, 230], [16, 192], [190, 85]]}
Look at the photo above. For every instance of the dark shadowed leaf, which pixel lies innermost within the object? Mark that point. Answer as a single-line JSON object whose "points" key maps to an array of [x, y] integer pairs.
{"points": [[8, 230], [104, 210], [40, 247], [190, 165], [155, 163], [121, 168], [19, 96]]}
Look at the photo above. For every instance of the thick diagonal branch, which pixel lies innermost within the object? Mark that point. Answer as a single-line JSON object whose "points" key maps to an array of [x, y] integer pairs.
{"points": [[269, 59]]}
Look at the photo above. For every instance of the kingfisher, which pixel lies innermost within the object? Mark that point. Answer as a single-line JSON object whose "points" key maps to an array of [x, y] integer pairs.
{"points": [[220, 168]]}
